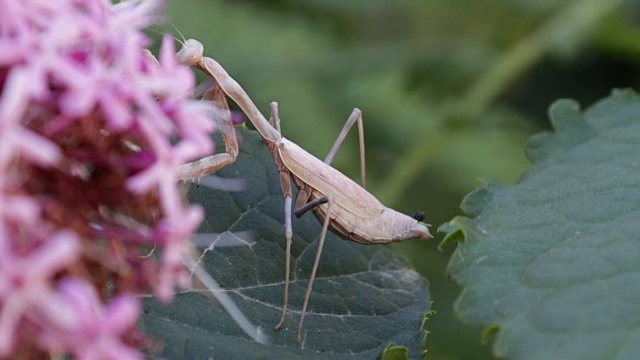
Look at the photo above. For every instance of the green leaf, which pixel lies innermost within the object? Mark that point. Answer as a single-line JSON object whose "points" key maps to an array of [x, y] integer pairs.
{"points": [[364, 297], [551, 265], [393, 352]]}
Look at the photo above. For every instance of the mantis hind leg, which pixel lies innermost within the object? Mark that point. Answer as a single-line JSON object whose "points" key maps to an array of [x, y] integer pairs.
{"points": [[215, 162], [356, 115], [301, 210], [307, 295]]}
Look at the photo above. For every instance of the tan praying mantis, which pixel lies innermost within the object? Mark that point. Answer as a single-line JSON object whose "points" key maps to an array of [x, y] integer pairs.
{"points": [[339, 203]]}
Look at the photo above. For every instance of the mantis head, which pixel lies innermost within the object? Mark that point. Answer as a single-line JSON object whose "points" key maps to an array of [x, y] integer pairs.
{"points": [[191, 52]]}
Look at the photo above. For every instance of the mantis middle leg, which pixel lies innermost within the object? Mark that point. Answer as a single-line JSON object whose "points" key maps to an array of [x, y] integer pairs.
{"points": [[356, 115], [285, 183]]}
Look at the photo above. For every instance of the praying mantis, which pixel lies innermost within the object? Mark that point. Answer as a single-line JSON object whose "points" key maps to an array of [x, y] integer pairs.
{"points": [[339, 203]]}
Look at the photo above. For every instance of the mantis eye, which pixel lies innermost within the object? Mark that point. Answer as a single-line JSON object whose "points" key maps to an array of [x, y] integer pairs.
{"points": [[418, 215]]}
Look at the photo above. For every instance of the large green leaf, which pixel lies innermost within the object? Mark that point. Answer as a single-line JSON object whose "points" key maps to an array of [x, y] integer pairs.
{"points": [[552, 264], [364, 299]]}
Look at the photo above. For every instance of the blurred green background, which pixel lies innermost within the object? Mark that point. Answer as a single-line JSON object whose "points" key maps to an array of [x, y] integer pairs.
{"points": [[450, 92]]}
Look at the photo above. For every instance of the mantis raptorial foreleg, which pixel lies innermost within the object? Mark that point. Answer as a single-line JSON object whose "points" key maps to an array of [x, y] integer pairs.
{"points": [[215, 162]]}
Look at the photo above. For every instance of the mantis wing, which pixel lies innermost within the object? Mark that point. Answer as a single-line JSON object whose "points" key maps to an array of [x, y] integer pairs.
{"points": [[329, 181]]}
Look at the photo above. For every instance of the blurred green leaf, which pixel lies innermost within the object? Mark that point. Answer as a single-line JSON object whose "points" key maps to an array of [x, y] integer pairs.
{"points": [[364, 298], [551, 264], [393, 352]]}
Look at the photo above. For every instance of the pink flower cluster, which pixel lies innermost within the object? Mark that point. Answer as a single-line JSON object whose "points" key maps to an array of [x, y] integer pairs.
{"points": [[92, 129]]}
